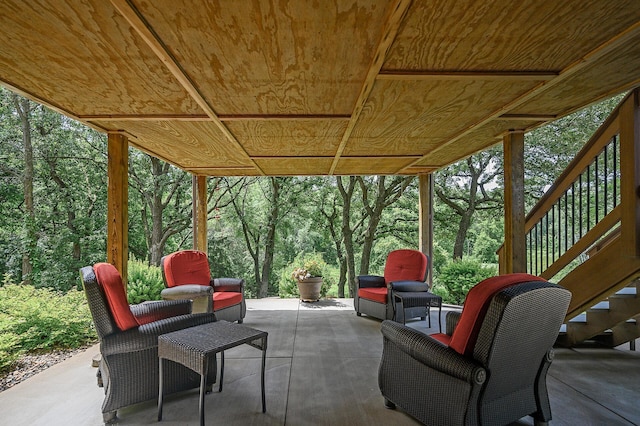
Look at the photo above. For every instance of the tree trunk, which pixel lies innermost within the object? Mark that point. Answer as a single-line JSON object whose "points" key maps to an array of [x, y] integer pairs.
{"points": [[156, 246], [23, 108], [461, 236], [271, 238], [347, 232], [337, 240]]}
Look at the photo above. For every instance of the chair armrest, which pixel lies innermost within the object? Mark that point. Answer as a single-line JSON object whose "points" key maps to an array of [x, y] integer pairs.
{"points": [[452, 319], [370, 281], [146, 336], [160, 309], [228, 284], [432, 353], [409, 286], [187, 291]]}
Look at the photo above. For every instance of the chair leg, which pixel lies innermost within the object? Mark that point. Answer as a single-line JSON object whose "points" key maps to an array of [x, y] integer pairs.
{"points": [[388, 404], [110, 417]]}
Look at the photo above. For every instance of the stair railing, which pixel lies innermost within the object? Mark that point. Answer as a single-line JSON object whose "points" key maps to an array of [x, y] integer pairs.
{"points": [[581, 211]]}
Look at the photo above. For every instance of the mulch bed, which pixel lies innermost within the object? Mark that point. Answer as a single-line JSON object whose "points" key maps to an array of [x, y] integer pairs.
{"points": [[30, 365]]}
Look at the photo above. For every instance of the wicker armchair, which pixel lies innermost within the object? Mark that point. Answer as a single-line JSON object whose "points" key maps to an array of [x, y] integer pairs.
{"points": [[491, 366], [129, 341], [404, 270], [187, 276]]}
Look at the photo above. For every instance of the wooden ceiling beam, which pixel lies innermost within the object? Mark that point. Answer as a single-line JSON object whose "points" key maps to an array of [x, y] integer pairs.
{"points": [[615, 42], [204, 117], [283, 117], [528, 117], [142, 27], [344, 157], [144, 117], [466, 75], [398, 13]]}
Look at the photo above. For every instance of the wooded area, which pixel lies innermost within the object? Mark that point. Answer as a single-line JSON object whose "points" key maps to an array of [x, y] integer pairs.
{"points": [[53, 206]]}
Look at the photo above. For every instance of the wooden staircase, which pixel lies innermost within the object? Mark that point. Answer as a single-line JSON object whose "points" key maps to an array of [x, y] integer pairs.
{"points": [[584, 233], [609, 323]]}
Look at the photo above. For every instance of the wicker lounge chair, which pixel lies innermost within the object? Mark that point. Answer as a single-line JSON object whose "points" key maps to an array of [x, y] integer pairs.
{"points": [[404, 270], [489, 368], [187, 276], [129, 341]]}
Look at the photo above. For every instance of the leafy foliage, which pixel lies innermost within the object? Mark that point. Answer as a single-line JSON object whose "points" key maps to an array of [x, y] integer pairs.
{"points": [[145, 281], [457, 277], [38, 319]]}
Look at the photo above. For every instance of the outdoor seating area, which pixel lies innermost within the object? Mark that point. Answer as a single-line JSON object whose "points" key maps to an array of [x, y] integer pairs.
{"points": [[321, 368]]}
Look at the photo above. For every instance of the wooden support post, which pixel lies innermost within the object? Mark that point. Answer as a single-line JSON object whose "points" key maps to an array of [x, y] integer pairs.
{"points": [[425, 183], [117, 203], [514, 220], [630, 174], [200, 213]]}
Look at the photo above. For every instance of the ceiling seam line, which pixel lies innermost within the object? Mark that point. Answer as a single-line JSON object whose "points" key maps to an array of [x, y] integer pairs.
{"points": [[153, 41]]}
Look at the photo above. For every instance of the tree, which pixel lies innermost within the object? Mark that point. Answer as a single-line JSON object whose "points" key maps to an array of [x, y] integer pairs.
{"points": [[23, 108], [346, 192], [550, 149], [383, 197], [165, 203], [260, 205], [330, 210], [467, 187]]}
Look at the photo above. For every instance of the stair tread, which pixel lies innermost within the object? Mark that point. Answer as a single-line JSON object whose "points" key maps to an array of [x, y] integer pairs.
{"points": [[582, 318], [626, 291], [604, 305]]}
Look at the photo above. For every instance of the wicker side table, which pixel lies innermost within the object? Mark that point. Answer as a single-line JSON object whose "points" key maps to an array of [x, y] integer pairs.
{"points": [[412, 299], [194, 347]]}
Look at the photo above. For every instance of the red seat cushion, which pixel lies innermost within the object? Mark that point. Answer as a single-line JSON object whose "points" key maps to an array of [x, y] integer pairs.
{"points": [[224, 299], [405, 265], [475, 307], [376, 294], [186, 267], [443, 338], [109, 279]]}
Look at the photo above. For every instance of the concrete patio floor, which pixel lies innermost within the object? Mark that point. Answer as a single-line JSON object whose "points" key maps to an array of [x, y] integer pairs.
{"points": [[322, 365]]}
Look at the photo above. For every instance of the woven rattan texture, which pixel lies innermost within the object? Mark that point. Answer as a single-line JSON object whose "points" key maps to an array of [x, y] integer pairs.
{"points": [[436, 385], [129, 365], [192, 347]]}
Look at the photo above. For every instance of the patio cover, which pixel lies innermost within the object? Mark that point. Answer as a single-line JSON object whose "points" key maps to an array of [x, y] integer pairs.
{"points": [[237, 88]]}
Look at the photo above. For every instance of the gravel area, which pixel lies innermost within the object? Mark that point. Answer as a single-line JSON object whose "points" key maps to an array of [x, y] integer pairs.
{"points": [[30, 365]]}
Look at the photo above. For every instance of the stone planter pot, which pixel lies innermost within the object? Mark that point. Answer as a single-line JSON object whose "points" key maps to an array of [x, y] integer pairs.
{"points": [[309, 289]]}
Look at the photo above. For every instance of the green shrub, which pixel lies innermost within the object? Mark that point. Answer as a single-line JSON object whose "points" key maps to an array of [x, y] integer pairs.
{"points": [[457, 277], [145, 281], [38, 320]]}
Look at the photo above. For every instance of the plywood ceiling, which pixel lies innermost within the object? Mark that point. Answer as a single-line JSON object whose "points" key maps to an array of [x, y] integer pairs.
{"points": [[291, 87]]}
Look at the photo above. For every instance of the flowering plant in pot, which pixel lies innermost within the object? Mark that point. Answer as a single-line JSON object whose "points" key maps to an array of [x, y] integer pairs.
{"points": [[309, 279]]}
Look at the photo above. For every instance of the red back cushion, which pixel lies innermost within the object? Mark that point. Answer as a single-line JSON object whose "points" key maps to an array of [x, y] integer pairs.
{"points": [[475, 307], [405, 265], [186, 267], [109, 279]]}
